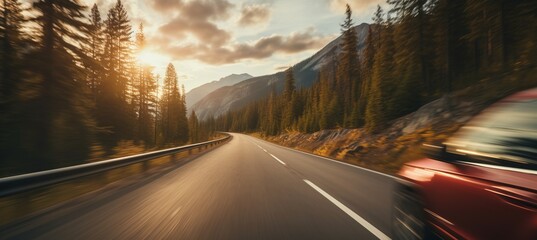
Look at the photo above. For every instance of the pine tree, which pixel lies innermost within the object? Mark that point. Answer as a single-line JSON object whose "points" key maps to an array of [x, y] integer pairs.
{"points": [[145, 93], [194, 128], [328, 102], [59, 127], [166, 101], [349, 71], [273, 114], [182, 120], [290, 87], [95, 51], [290, 111], [174, 127], [412, 68], [11, 61], [413, 59], [114, 112], [367, 66], [11, 21], [378, 105], [486, 21]]}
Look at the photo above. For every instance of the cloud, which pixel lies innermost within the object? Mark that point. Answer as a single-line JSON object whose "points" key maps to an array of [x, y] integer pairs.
{"points": [[195, 18], [204, 31], [201, 10], [260, 49], [356, 5], [204, 10], [192, 34], [254, 14], [166, 5]]}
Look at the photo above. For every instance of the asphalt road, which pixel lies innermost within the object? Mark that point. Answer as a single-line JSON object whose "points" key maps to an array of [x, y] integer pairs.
{"points": [[244, 189]]}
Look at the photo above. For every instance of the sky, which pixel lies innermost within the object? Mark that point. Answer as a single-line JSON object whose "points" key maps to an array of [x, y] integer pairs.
{"points": [[210, 39]]}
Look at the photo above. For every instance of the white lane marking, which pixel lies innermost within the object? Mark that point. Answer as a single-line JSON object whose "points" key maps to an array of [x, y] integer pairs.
{"points": [[270, 154], [329, 159], [176, 211], [348, 211], [260, 147], [278, 159]]}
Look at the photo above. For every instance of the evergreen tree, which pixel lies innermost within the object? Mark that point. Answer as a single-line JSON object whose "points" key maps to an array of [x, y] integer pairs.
{"points": [[114, 112], [292, 104], [95, 51], [145, 88], [349, 71], [194, 128], [377, 111], [167, 99], [486, 22], [173, 110], [11, 20], [413, 59], [367, 66], [182, 120], [328, 104], [11, 44], [59, 127], [290, 87]]}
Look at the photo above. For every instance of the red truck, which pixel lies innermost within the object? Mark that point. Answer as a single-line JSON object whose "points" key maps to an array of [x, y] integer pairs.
{"points": [[479, 184]]}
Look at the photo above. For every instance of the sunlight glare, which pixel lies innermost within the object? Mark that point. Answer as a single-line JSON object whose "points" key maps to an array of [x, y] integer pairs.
{"points": [[150, 58]]}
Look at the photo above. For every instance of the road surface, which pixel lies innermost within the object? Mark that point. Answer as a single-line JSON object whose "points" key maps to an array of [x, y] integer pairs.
{"points": [[244, 189]]}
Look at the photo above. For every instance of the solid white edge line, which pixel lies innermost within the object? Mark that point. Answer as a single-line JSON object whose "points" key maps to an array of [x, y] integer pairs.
{"points": [[277, 159], [348, 211], [329, 159]]}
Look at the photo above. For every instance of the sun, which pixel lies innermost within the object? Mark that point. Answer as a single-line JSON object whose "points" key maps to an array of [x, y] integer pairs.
{"points": [[151, 58]]}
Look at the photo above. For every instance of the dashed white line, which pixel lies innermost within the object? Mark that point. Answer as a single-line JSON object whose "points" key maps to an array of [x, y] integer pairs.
{"points": [[260, 147], [270, 154], [348, 211], [325, 158], [278, 159]]}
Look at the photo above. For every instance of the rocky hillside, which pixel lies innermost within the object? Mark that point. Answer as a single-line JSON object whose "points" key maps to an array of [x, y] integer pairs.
{"points": [[400, 142], [196, 94], [233, 97]]}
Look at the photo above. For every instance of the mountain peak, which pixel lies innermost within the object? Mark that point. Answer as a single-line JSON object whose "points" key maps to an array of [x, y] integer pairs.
{"points": [[240, 94], [200, 92]]}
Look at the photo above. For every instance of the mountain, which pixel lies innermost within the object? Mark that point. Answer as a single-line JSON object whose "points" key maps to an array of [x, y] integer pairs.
{"points": [[236, 96], [194, 95]]}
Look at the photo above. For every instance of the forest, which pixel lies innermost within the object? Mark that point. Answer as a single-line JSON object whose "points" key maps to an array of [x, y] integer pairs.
{"points": [[71, 83], [416, 51]]}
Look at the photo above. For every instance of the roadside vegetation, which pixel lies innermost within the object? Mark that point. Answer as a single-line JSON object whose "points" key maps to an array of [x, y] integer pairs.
{"points": [[73, 90], [418, 52]]}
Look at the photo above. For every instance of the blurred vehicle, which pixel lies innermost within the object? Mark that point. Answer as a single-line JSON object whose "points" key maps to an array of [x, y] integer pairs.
{"points": [[480, 184]]}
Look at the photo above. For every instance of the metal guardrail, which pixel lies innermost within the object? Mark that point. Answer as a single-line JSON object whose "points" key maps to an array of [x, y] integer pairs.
{"points": [[20, 183]]}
